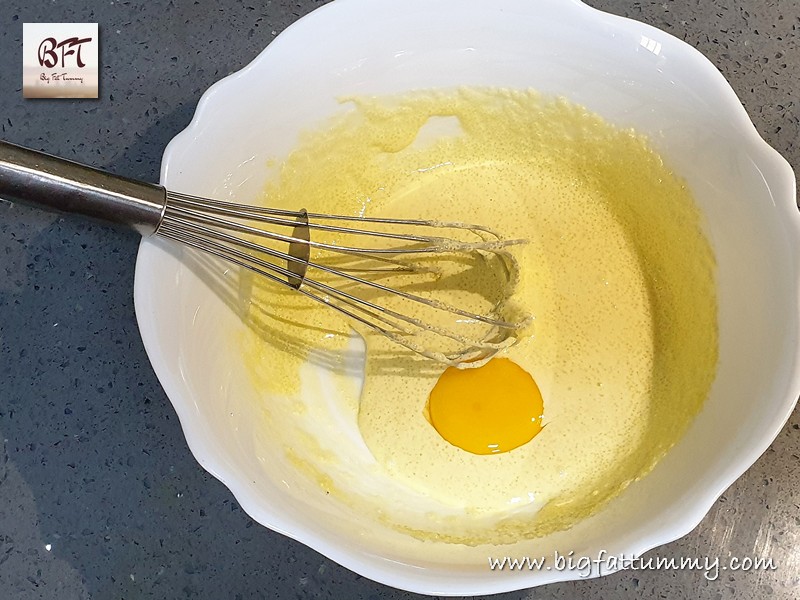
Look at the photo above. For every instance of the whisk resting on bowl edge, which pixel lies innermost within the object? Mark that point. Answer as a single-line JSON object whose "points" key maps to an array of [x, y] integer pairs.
{"points": [[382, 273]]}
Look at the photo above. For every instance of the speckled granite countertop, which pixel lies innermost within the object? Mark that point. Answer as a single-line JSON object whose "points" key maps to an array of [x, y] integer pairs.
{"points": [[99, 495]]}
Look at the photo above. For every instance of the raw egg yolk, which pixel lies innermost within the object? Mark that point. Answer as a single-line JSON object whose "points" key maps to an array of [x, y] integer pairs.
{"points": [[494, 408]]}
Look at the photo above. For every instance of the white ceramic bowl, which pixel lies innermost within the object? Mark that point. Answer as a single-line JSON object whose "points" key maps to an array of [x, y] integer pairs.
{"points": [[632, 74]]}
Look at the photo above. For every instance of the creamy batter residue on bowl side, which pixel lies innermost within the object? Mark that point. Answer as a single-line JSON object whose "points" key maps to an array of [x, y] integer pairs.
{"points": [[618, 277]]}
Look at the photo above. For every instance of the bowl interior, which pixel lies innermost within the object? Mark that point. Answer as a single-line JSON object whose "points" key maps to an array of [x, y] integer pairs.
{"points": [[634, 76]]}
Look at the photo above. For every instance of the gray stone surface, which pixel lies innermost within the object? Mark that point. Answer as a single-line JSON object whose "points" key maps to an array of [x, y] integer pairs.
{"points": [[99, 495]]}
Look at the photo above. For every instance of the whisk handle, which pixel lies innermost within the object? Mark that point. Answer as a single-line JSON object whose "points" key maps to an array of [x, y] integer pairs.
{"points": [[53, 183]]}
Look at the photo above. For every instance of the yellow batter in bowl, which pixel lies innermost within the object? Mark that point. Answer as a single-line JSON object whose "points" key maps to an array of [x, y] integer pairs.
{"points": [[617, 277]]}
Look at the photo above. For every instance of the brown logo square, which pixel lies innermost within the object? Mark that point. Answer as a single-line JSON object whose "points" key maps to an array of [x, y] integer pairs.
{"points": [[60, 60]]}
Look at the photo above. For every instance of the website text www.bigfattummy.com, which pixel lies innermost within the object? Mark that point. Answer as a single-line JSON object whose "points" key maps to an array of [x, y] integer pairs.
{"points": [[603, 563]]}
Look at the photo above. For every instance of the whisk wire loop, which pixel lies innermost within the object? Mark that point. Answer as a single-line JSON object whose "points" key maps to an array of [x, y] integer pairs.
{"points": [[212, 227]]}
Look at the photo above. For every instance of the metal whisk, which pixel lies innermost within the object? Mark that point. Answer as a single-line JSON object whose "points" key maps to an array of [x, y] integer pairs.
{"points": [[353, 268]]}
